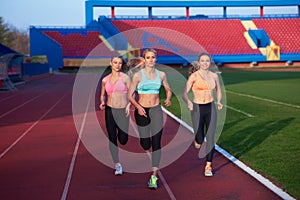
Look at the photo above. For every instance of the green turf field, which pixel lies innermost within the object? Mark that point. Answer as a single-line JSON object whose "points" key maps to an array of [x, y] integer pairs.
{"points": [[269, 141], [262, 126]]}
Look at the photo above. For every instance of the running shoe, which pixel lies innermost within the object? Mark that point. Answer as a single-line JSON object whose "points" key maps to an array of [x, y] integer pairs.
{"points": [[153, 182], [208, 171], [119, 170]]}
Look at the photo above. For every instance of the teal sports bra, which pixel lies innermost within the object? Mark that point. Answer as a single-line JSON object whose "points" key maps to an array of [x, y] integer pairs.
{"points": [[147, 86]]}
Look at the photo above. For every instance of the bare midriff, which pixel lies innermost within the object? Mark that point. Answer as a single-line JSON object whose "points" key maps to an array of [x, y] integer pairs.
{"points": [[203, 96], [117, 100], [149, 100]]}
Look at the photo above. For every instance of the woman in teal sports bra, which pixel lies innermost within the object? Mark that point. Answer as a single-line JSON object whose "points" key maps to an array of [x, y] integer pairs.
{"points": [[148, 113]]}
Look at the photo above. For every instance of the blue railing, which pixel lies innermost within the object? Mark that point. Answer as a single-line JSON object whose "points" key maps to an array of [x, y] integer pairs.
{"points": [[182, 17]]}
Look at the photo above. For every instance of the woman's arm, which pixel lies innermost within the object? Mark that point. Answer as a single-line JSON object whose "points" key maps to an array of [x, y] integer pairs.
{"points": [[219, 92], [127, 82], [135, 80], [102, 94], [187, 88], [167, 89]]}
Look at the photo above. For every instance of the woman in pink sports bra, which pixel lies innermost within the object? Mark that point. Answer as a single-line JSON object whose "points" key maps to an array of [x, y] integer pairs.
{"points": [[204, 115], [115, 87]]}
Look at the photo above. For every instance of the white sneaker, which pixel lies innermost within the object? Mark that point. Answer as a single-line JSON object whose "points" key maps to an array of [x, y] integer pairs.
{"points": [[119, 170]]}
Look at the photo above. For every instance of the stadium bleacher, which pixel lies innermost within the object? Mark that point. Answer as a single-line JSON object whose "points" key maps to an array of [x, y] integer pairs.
{"points": [[228, 40], [77, 44], [284, 31], [219, 37]]}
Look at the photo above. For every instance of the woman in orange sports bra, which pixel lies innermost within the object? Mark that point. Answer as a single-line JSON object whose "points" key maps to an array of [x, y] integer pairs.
{"points": [[115, 87], [203, 82]]}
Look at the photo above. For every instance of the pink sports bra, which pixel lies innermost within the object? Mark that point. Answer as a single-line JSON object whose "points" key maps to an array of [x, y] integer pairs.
{"points": [[118, 87]]}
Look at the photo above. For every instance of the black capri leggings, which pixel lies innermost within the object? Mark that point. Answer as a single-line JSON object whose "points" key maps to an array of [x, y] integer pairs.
{"points": [[204, 119], [150, 130], [117, 124]]}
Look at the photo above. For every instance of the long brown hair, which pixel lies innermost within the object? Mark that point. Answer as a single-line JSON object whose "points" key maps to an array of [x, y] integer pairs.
{"points": [[124, 67]]}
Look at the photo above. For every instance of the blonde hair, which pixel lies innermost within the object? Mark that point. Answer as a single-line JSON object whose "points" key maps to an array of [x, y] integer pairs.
{"points": [[135, 62], [149, 50]]}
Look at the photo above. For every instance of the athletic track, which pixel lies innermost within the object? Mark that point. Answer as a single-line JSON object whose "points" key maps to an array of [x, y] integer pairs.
{"points": [[42, 158]]}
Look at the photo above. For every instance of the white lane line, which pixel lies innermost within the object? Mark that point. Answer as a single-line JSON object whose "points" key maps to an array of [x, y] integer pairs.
{"points": [[165, 184], [240, 111], [162, 178], [32, 87], [19, 106], [241, 165], [15, 94], [254, 174], [72, 164], [264, 99], [9, 97], [184, 124], [31, 127]]}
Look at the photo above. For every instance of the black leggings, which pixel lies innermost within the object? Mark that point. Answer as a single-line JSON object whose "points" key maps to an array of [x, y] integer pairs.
{"points": [[152, 123], [116, 119], [205, 116]]}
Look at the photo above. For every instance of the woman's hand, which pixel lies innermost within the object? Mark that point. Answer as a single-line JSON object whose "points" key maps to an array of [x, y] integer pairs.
{"points": [[102, 106], [167, 102], [220, 106], [127, 109], [141, 111], [190, 105]]}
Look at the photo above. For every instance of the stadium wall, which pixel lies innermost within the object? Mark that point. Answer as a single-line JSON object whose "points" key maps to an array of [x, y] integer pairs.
{"points": [[30, 69], [40, 44]]}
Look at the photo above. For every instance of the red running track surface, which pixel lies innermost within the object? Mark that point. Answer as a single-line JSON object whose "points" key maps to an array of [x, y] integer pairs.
{"points": [[39, 159]]}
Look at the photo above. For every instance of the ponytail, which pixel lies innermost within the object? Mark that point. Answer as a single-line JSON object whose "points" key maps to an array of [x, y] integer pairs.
{"points": [[134, 65], [194, 67]]}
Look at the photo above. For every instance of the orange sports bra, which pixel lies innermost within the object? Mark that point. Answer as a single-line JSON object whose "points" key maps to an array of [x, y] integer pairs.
{"points": [[200, 84]]}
